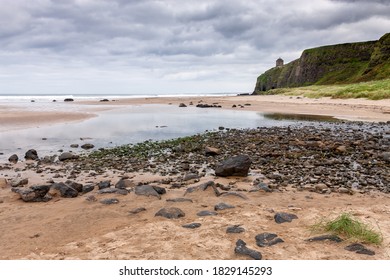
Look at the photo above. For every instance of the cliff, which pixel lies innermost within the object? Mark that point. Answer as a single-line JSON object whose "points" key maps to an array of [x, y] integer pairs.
{"points": [[336, 64]]}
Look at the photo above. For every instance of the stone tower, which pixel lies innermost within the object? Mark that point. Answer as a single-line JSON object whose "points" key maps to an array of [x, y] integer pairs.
{"points": [[279, 62]]}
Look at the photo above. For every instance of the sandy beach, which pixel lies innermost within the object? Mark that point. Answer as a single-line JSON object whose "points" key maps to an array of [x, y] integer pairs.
{"points": [[84, 228]]}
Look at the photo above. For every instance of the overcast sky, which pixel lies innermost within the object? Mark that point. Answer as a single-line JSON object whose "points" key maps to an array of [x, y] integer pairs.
{"points": [[169, 46]]}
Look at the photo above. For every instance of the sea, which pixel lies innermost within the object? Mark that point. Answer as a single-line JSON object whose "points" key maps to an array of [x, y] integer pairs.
{"points": [[119, 125]]}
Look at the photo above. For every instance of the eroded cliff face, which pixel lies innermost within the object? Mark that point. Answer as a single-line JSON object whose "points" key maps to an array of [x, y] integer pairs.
{"points": [[336, 64]]}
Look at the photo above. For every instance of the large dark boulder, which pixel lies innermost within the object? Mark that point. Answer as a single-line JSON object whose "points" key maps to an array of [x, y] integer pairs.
{"points": [[34, 193], [65, 190], [234, 166], [13, 159], [31, 154]]}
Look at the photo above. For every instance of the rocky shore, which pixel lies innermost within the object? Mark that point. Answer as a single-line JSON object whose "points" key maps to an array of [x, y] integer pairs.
{"points": [[344, 158]]}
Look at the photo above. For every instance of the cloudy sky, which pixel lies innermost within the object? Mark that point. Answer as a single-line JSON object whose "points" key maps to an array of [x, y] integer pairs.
{"points": [[168, 46]]}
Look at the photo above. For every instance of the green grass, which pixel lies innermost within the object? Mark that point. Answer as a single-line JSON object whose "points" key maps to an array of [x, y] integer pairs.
{"points": [[348, 227], [374, 90]]}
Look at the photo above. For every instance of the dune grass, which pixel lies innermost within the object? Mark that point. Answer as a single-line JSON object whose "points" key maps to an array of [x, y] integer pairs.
{"points": [[373, 90], [348, 227]]}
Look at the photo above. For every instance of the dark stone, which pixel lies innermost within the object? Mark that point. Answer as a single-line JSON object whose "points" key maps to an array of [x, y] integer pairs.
{"points": [[87, 188], [182, 105], [267, 239], [124, 184], [137, 210], [170, 213], [386, 156], [104, 100], [179, 199], [211, 151], [203, 187], [263, 186], [284, 217], [243, 250], [235, 166], [74, 145], [222, 206], [206, 213], [146, 190], [160, 190], [19, 182], [77, 186], [34, 193], [190, 176], [67, 156], [239, 195], [333, 238], [109, 201], [65, 190], [31, 154], [235, 229], [104, 184], [13, 159], [359, 249], [192, 225], [114, 190], [68, 99], [87, 146]]}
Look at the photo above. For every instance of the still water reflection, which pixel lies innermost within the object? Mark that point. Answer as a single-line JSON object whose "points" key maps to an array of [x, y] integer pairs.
{"points": [[131, 125]]}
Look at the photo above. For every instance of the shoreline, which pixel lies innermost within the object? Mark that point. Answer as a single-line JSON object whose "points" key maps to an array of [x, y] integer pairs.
{"points": [[311, 172], [344, 109]]}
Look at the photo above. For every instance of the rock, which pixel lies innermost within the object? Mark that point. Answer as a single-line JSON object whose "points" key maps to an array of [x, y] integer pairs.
{"points": [[87, 188], [68, 99], [19, 182], [222, 206], [190, 176], [211, 151], [160, 190], [137, 210], [284, 217], [34, 193], [239, 195], [332, 237], [341, 149], [179, 199], [264, 187], [31, 155], [235, 229], [267, 239], [343, 190], [124, 184], [192, 225], [203, 187], [87, 146], [65, 190], [243, 250], [359, 249], [109, 201], [104, 100], [74, 145], [182, 105], [13, 159], [104, 184], [386, 156], [234, 166], [170, 213], [67, 156], [113, 190], [206, 213], [146, 190], [91, 198], [77, 186]]}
